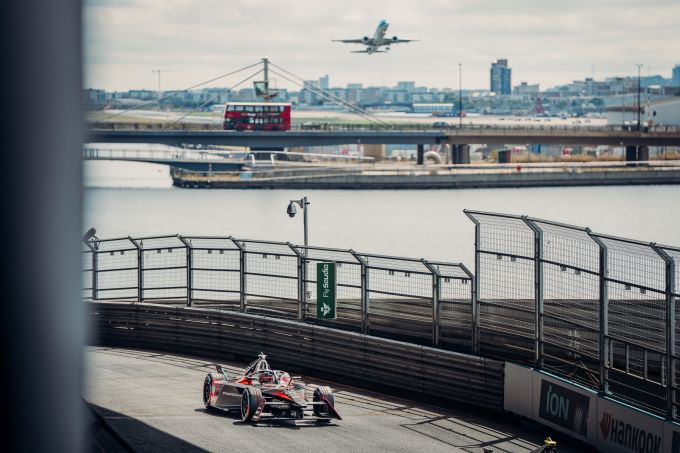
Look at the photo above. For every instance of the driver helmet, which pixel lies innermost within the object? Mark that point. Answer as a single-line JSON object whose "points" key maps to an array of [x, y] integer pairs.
{"points": [[266, 377]]}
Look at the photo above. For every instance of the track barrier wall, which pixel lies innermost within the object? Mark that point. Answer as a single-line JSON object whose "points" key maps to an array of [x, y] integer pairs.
{"points": [[350, 357], [596, 312]]}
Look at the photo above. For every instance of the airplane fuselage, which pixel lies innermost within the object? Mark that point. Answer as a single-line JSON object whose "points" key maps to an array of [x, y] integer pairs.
{"points": [[378, 37]]}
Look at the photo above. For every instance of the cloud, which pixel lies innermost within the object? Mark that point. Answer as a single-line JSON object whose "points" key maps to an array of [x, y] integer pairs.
{"points": [[546, 41]]}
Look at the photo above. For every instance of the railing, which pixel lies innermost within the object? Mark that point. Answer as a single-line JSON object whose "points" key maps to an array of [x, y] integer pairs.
{"points": [[453, 129], [408, 299], [595, 309]]}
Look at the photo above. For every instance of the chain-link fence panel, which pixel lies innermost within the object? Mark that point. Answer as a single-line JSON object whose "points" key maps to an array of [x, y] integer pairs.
{"points": [[455, 304], [636, 281], [570, 261], [215, 272], [271, 278], [673, 297], [400, 297], [164, 269], [505, 287], [117, 270]]}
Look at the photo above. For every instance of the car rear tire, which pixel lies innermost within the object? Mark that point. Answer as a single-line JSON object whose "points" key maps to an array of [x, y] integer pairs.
{"points": [[207, 390], [251, 399], [321, 393]]}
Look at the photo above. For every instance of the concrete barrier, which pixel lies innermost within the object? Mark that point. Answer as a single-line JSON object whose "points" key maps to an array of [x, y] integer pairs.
{"points": [[413, 371]]}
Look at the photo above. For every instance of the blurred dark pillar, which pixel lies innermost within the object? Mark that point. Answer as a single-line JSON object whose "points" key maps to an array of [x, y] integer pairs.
{"points": [[461, 154], [41, 322], [420, 154], [631, 153], [642, 153]]}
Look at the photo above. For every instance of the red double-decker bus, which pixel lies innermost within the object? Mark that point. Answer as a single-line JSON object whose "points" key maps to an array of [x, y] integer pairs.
{"points": [[257, 116]]}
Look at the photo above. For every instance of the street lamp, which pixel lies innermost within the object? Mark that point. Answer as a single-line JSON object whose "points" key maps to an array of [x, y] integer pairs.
{"points": [[638, 100], [291, 211], [460, 95]]}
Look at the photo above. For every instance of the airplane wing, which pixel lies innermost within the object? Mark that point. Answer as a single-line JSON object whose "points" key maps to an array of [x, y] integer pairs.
{"points": [[354, 41], [389, 41]]}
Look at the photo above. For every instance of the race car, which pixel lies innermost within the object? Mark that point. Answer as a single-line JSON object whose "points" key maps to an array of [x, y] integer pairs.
{"points": [[261, 391]]}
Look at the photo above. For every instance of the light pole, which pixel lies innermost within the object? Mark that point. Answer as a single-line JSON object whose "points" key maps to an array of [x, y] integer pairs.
{"points": [[639, 126], [303, 203], [460, 95], [158, 71]]}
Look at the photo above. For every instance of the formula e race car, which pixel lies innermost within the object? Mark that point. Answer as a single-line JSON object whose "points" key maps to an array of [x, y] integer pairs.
{"points": [[262, 391]]}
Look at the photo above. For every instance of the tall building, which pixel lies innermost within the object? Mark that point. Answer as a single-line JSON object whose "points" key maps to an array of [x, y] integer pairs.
{"points": [[676, 75], [501, 77], [323, 82]]}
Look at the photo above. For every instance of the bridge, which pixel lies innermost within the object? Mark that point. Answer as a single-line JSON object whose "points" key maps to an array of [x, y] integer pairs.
{"points": [[209, 134]]}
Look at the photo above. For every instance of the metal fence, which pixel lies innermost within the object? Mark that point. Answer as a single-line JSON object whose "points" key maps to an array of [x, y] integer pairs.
{"points": [[382, 126], [595, 309], [403, 298]]}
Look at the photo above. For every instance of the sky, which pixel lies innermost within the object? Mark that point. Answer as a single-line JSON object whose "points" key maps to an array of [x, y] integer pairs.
{"points": [[550, 42]]}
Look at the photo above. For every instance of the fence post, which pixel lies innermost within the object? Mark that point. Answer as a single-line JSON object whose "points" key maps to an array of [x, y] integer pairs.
{"points": [[242, 273], [187, 244], [670, 329], [365, 319], [474, 338], [604, 314], [475, 285], [93, 249], [140, 268], [538, 291], [436, 307], [302, 282]]}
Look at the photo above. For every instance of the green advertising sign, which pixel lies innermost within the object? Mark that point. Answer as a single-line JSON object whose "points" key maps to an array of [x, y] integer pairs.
{"points": [[325, 290]]}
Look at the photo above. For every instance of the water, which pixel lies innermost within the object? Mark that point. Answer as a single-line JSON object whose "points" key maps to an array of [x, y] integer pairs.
{"points": [[123, 198]]}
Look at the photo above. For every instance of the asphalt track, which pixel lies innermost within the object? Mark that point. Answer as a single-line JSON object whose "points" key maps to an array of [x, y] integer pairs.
{"points": [[152, 402]]}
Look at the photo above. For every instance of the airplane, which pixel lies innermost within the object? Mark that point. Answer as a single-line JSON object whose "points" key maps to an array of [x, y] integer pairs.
{"points": [[378, 40]]}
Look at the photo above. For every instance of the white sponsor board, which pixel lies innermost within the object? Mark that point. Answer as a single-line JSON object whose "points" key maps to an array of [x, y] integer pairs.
{"points": [[625, 429], [551, 401], [583, 414]]}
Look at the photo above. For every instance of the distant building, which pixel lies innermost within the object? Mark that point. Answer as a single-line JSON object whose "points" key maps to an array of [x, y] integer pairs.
{"points": [[324, 82], [501, 77], [524, 89], [433, 108], [406, 86], [664, 111], [143, 95], [309, 94], [676, 76]]}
